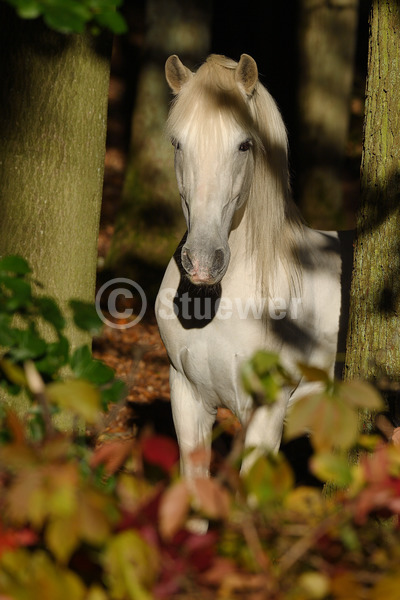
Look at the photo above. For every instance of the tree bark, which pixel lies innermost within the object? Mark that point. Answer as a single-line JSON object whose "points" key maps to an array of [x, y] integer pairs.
{"points": [[53, 99], [327, 41], [150, 223], [373, 349], [53, 114]]}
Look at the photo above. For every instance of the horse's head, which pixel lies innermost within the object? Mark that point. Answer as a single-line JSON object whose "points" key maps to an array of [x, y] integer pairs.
{"points": [[213, 133]]}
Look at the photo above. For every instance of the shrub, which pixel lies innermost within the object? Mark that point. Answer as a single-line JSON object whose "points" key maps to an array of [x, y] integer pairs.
{"points": [[111, 523]]}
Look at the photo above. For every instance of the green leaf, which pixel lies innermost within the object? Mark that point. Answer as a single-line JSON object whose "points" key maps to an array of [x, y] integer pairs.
{"points": [[264, 361], [113, 393], [263, 376], [21, 292], [28, 9], [7, 336], [68, 17], [55, 358], [50, 311], [72, 16], [30, 345], [113, 20], [36, 425], [85, 367], [86, 317], [80, 359], [14, 264]]}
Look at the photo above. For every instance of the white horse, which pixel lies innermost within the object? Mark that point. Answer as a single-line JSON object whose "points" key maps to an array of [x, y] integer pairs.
{"points": [[248, 274]]}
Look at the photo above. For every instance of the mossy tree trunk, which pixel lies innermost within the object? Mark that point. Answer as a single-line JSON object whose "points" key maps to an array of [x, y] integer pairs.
{"points": [[150, 222], [327, 41], [373, 351], [53, 113]]}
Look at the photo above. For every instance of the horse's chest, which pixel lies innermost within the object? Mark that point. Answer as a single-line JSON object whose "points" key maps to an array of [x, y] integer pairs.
{"points": [[210, 357]]}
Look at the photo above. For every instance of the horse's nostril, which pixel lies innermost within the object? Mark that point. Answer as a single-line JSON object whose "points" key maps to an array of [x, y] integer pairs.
{"points": [[187, 259], [219, 259]]}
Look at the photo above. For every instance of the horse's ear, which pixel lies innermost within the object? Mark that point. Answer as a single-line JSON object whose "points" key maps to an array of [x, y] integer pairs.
{"points": [[176, 73], [246, 73]]}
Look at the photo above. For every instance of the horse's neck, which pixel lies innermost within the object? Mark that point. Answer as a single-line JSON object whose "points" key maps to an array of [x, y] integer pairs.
{"points": [[271, 275]]}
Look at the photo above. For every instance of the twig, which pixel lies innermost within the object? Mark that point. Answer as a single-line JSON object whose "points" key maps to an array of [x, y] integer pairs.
{"points": [[38, 389], [304, 544]]}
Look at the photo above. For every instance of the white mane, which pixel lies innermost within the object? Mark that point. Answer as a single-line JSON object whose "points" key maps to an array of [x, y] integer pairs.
{"points": [[274, 225]]}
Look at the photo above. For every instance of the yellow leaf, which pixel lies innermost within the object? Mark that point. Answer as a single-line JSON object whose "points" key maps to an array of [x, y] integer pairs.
{"points": [[332, 467], [34, 575], [13, 372], [316, 585], [78, 396], [96, 593], [300, 415], [62, 538], [269, 479], [387, 588], [307, 502], [361, 394], [332, 423], [313, 373], [335, 425], [131, 566], [345, 586]]}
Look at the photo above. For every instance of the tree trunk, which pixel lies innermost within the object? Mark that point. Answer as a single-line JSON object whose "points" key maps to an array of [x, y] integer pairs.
{"points": [[53, 112], [327, 40], [53, 98], [373, 351], [150, 223]]}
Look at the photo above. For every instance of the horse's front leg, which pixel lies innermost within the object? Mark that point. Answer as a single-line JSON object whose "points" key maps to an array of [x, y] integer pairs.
{"points": [[264, 431], [193, 422]]}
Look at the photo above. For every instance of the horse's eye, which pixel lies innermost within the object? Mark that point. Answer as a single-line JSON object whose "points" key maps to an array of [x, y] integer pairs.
{"points": [[245, 146], [175, 144]]}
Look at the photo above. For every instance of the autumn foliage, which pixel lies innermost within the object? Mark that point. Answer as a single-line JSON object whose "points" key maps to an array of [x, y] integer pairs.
{"points": [[115, 520]]}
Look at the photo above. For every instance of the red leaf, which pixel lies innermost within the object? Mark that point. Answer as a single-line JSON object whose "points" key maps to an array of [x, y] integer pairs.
{"points": [[11, 539], [221, 568], [161, 451], [396, 436], [112, 455]]}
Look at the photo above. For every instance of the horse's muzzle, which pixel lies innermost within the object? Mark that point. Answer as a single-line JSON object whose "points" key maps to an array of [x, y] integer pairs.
{"points": [[205, 269]]}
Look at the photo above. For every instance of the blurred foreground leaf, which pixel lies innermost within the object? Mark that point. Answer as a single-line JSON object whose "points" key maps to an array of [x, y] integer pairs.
{"points": [[78, 396]]}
